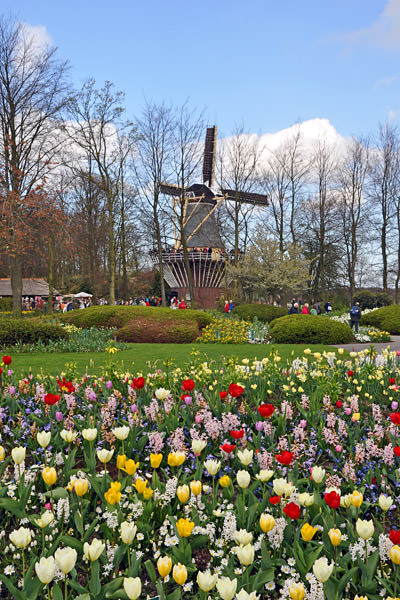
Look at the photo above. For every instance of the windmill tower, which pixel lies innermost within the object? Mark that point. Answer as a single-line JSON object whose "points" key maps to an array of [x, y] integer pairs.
{"points": [[207, 258]]}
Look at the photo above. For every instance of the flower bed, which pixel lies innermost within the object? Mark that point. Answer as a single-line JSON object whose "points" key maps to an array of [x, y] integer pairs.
{"points": [[255, 480]]}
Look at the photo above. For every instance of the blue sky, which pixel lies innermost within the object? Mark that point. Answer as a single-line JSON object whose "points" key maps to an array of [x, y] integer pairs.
{"points": [[261, 62]]}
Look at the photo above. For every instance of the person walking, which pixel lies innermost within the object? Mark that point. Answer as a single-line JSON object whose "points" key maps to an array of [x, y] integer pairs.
{"points": [[355, 316], [327, 307], [305, 310], [294, 309]]}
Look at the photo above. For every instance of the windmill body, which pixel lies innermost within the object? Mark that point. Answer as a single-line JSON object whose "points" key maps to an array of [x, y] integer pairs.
{"points": [[207, 257]]}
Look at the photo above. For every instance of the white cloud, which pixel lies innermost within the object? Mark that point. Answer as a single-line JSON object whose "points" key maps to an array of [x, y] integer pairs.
{"points": [[385, 81], [383, 33], [37, 35]]}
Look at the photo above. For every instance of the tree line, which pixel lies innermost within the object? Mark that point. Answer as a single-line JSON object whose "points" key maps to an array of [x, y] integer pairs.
{"points": [[81, 200]]}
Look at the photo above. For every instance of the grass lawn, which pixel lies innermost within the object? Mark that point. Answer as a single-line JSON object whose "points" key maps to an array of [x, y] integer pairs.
{"points": [[142, 354]]}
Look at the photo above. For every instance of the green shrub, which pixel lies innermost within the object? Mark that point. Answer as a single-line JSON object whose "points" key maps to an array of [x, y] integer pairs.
{"points": [[309, 329], [13, 331], [119, 316], [369, 299], [163, 331], [6, 304], [386, 318], [264, 312]]}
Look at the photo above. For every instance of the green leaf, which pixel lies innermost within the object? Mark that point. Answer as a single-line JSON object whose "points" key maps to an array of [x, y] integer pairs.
{"points": [[12, 506], [58, 492], [57, 593], [150, 570], [16, 594], [94, 584]]}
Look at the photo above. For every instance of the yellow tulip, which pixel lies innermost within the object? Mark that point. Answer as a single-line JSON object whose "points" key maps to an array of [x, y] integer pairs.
{"points": [[184, 527], [267, 522], [335, 536], [179, 573], [164, 565], [113, 495], [140, 485], [155, 460], [175, 459], [307, 532], [2, 453], [183, 493], [297, 591], [49, 475], [356, 499], [394, 554], [121, 460], [147, 493], [224, 481], [81, 486], [195, 487], [130, 467]]}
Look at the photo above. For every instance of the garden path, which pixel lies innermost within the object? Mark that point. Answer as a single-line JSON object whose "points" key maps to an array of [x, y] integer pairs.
{"points": [[356, 347]]}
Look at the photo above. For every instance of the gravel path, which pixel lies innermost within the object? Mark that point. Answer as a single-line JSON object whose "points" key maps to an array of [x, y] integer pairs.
{"points": [[356, 347]]}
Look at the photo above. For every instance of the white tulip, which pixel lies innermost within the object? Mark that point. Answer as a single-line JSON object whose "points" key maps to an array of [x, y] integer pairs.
{"points": [[264, 475], [243, 479], [212, 466], [318, 473], [226, 587], [21, 537], [365, 529], [66, 559], [132, 587], [43, 438], [104, 455], [245, 457], [68, 435], [322, 569], [18, 454], [121, 433], [198, 446], [46, 569], [89, 434], [245, 554], [127, 532], [161, 393], [243, 537], [92, 551], [385, 502], [206, 581]]}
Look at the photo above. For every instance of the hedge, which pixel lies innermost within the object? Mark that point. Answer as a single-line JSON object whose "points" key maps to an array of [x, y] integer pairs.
{"points": [[143, 323], [264, 312], [386, 318], [309, 329], [13, 331], [6, 304], [369, 299]]}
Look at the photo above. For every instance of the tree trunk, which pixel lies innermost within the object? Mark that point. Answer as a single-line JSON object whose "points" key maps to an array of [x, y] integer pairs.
{"points": [[51, 288], [111, 252], [16, 284], [159, 250]]}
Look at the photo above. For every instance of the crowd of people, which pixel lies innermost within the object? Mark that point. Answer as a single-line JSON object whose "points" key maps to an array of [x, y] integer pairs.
{"points": [[316, 309]]}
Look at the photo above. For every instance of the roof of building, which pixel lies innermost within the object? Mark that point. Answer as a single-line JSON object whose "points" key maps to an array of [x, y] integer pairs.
{"points": [[30, 287]]}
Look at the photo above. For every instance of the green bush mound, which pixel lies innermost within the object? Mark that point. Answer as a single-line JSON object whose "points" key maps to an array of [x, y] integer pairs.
{"points": [[309, 329], [264, 312], [165, 331], [13, 331], [6, 304], [143, 323], [386, 318]]}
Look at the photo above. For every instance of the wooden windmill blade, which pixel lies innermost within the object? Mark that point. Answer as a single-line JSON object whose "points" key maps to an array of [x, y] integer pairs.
{"points": [[171, 189], [246, 197], [209, 155]]}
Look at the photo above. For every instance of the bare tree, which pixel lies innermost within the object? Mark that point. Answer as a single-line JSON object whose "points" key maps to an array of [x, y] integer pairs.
{"points": [[384, 190], [352, 174], [99, 131], [32, 95], [153, 166], [187, 157], [319, 214]]}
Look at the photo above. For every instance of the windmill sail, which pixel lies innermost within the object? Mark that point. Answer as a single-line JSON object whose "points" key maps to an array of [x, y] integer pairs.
{"points": [[209, 155]]}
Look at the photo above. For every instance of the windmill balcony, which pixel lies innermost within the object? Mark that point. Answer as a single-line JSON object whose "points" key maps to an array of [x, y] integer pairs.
{"points": [[195, 254]]}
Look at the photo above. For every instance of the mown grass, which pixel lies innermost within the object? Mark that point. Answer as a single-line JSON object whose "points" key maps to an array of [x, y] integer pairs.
{"points": [[144, 355]]}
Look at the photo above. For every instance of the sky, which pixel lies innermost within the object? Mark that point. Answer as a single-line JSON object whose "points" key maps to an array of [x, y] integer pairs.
{"points": [[263, 63]]}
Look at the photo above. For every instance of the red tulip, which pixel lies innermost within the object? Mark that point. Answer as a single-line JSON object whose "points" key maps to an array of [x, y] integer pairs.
{"points": [[188, 385], [350, 373], [285, 458], [228, 448], [1, 370], [332, 499], [339, 404], [392, 380], [138, 383], [274, 499], [7, 360], [266, 410], [223, 395], [394, 536], [292, 510], [66, 386], [51, 399], [237, 435], [395, 418], [235, 390], [396, 450]]}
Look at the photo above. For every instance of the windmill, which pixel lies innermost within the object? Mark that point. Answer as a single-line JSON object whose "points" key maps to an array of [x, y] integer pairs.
{"points": [[207, 257]]}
